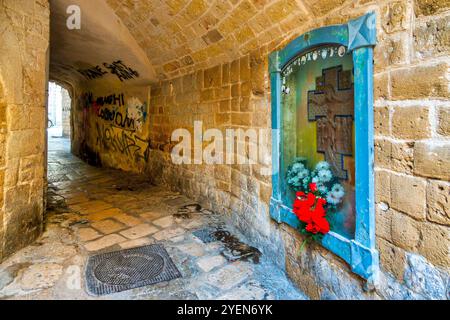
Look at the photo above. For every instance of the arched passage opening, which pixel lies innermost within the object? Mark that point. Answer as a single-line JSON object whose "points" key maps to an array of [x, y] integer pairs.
{"points": [[58, 116], [59, 107]]}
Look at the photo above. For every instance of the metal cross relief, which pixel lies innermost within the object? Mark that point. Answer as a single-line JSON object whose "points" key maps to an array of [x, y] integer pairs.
{"points": [[331, 106]]}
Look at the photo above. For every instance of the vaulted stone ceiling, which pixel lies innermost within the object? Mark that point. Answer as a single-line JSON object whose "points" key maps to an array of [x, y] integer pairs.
{"points": [[179, 36], [165, 38]]}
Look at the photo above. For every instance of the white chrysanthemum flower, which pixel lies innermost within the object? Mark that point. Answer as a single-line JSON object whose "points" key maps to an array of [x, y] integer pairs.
{"points": [[322, 188], [336, 194], [325, 175], [298, 166], [338, 191], [315, 180], [332, 200], [303, 173], [322, 165]]}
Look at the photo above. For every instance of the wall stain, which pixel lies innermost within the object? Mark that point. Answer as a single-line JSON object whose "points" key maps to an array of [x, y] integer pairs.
{"points": [[234, 249]]}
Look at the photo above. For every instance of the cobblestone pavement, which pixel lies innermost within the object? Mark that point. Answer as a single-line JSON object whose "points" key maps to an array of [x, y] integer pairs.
{"points": [[92, 210]]}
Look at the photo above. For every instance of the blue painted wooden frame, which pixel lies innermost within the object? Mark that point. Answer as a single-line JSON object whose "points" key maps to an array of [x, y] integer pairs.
{"points": [[359, 36]]}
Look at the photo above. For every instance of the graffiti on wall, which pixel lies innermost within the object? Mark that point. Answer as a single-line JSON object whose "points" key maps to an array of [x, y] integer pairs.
{"points": [[112, 99], [119, 124], [122, 72], [117, 68], [92, 73], [124, 142], [108, 109], [137, 111], [117, 119]]}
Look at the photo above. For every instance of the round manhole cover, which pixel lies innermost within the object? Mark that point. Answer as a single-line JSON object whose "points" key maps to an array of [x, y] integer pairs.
{"points": [[129, 268]]}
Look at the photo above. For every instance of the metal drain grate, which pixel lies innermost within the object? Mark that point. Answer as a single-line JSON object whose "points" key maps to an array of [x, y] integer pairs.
{"points": [[128, 269]]}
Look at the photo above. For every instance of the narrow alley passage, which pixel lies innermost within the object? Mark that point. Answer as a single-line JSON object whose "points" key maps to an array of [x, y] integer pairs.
{"points": [[92, 210]]}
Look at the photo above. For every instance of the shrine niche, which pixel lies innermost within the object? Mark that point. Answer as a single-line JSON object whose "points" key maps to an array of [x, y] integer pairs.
{"points": [[322, 112]]}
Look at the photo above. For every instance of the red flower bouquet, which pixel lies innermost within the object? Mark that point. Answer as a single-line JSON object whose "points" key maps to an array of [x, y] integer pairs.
{"points": [[319, 194], [310, 210]]}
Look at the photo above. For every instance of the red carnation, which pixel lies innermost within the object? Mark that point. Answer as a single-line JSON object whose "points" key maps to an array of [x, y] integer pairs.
{"points": [[313, 187], [310, 210], [318, 221], [302, 206]]}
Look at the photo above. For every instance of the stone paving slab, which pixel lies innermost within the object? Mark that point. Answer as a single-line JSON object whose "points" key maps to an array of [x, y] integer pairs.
{"points": [[105, 214], [88, 234], [88, 223], [209, 263], [127, 220], [139, 231], [41, 276], [136, 243], [164, 222], [104, 242], [169, 233], [107, 226]]}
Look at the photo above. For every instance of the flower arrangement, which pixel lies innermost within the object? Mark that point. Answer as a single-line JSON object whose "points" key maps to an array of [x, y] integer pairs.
{"points": [[318, 195]]}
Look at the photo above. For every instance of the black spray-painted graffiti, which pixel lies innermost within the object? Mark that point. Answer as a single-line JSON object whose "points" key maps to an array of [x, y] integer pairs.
{"points": [[122, 72], [132, 119], [117, 68], [127, 143], [112, 99], [116, 118], [93, 73]]}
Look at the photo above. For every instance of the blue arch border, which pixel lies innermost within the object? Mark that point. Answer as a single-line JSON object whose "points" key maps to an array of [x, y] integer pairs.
{"points": [[359, 36]]}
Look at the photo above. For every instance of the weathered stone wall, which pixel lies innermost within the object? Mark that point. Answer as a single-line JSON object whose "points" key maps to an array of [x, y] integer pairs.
{"points": [[412, 150], [24, 42], [232, 90], [413, 147], [233, 95]]}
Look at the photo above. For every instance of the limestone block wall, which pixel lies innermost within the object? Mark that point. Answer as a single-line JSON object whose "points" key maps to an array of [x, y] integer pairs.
{"points": [[235, 96], [23, 62], [412, 148]]}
